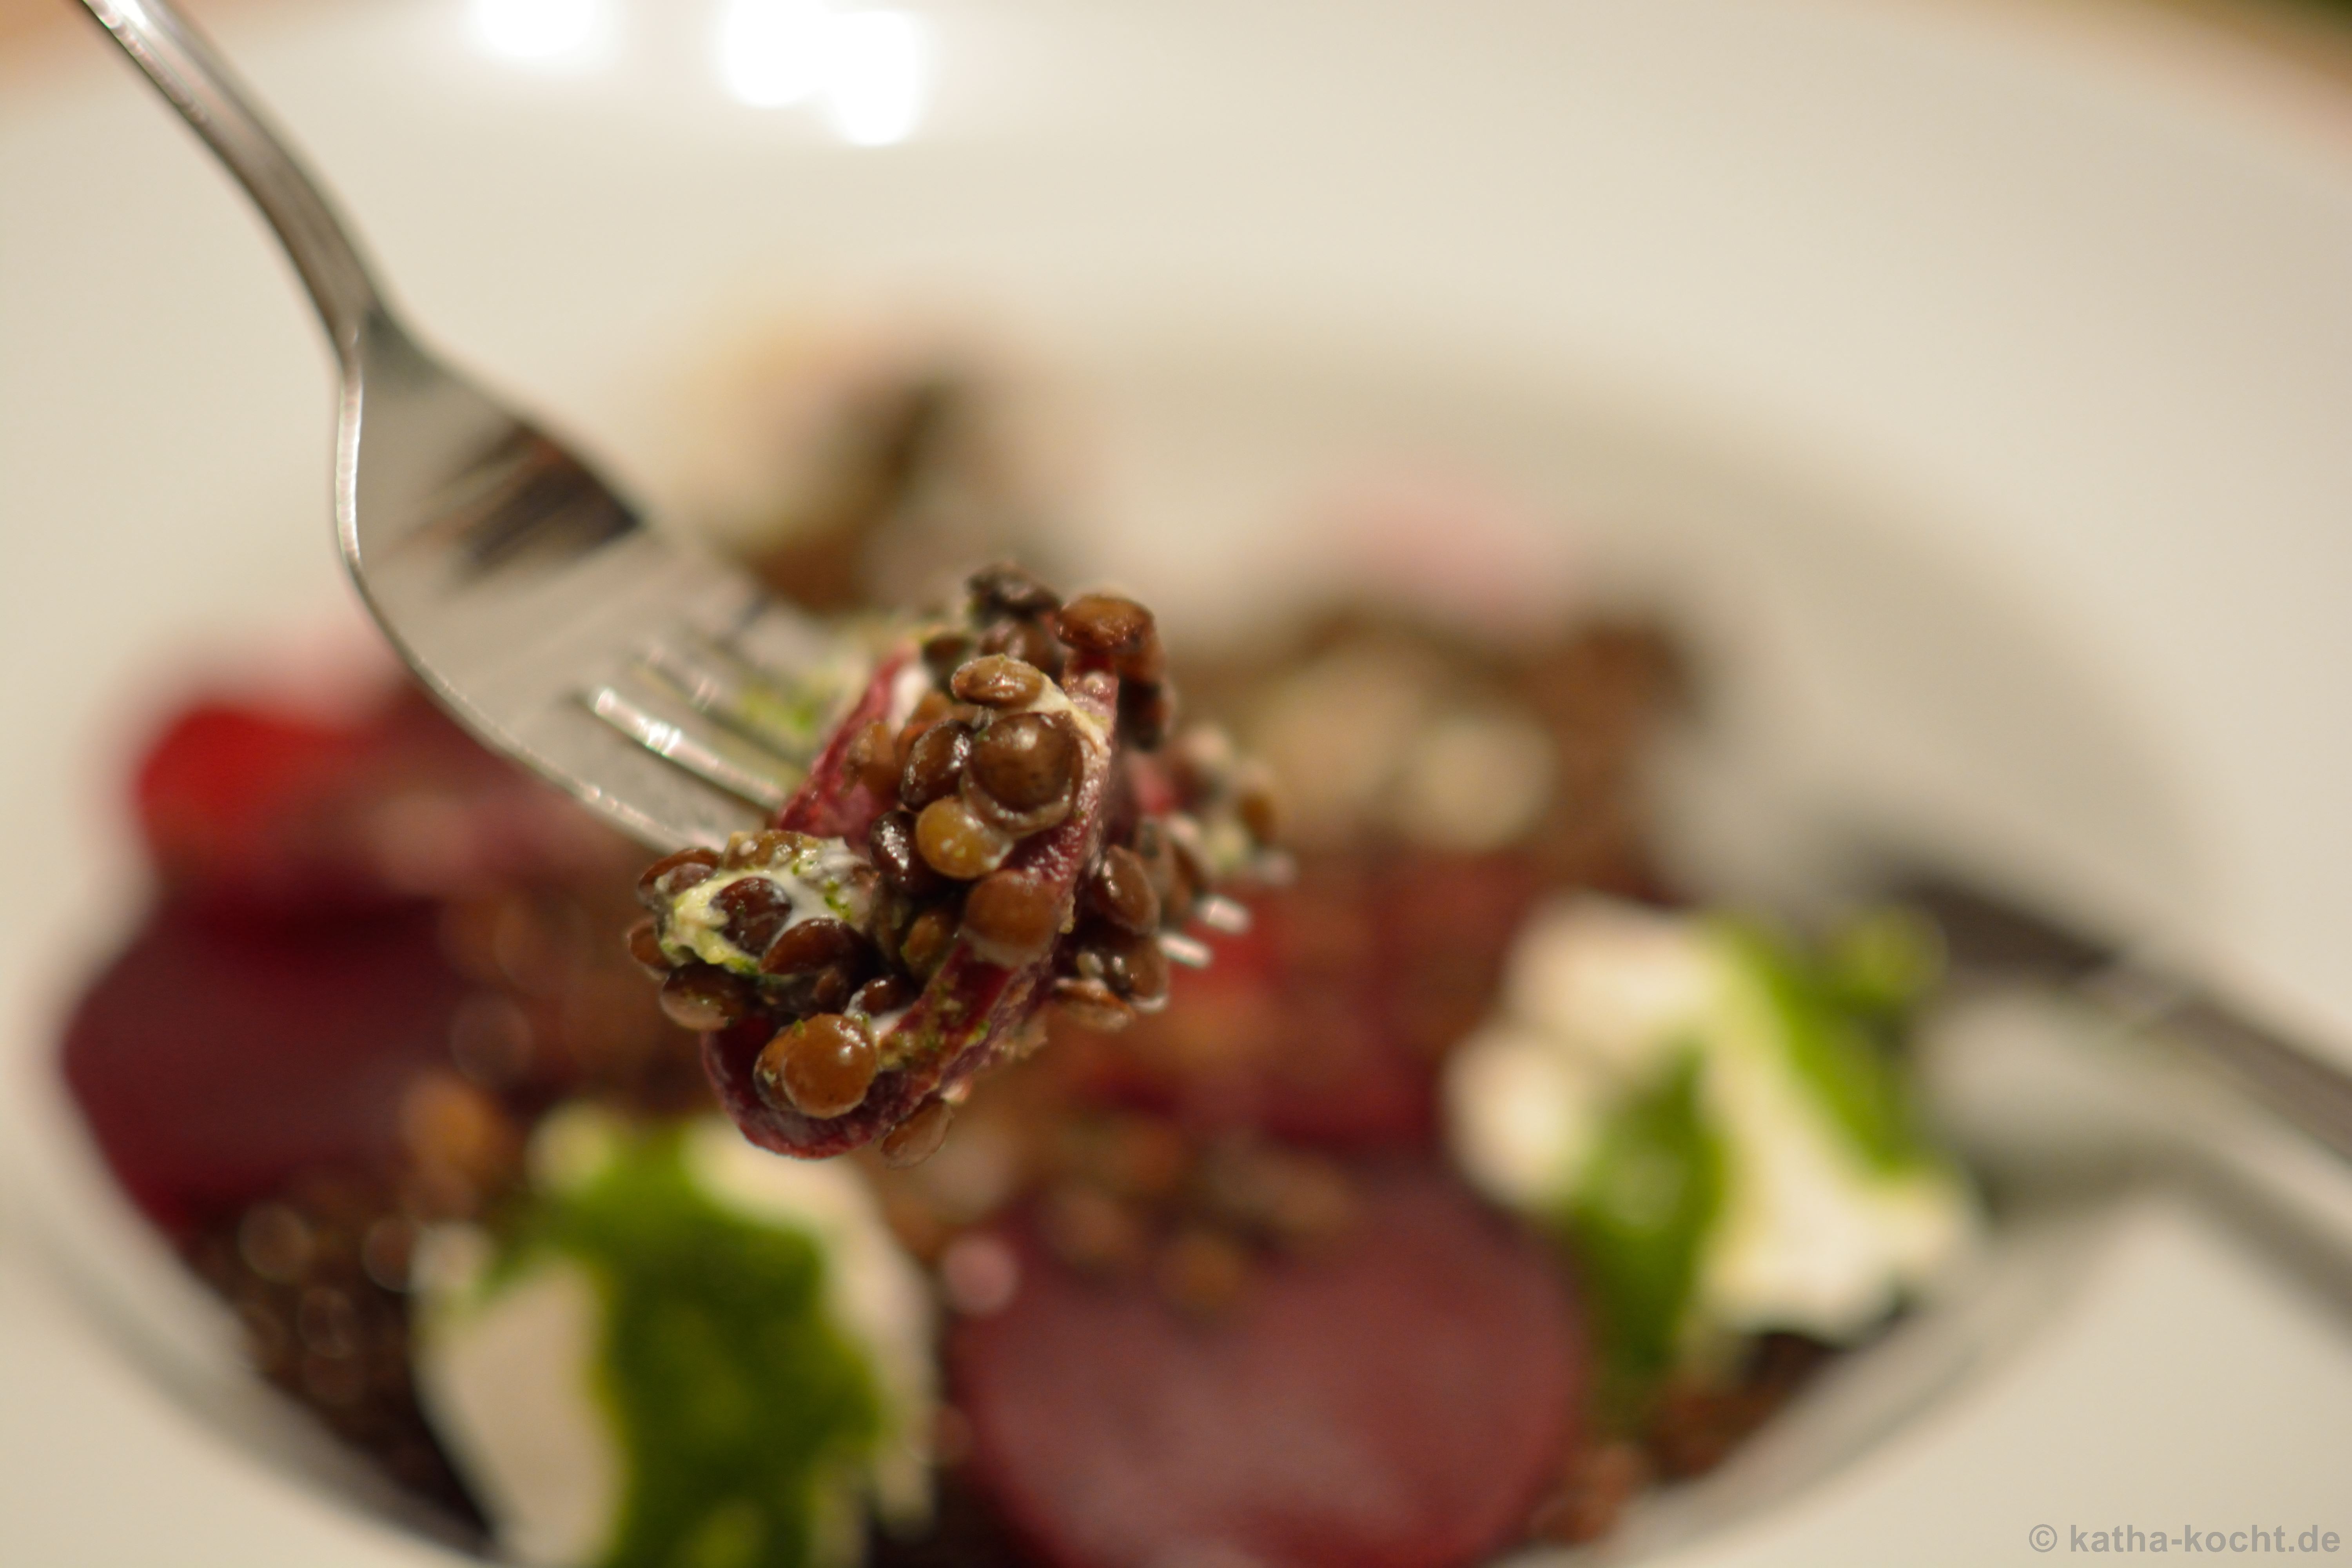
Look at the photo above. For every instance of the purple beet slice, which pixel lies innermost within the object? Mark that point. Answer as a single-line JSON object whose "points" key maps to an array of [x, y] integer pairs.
{"points": [[833, 802], [1401, 1402], [218, 1056]]}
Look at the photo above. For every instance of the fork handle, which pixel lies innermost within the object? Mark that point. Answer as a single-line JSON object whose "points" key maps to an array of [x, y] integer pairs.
{"points": [[183, 68]]}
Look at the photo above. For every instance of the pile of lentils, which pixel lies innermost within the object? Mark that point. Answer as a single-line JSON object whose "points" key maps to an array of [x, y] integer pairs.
{"points": [[985, 796]]}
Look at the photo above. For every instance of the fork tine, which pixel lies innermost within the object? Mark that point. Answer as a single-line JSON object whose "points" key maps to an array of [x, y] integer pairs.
{"points": [[787, 716], [677, 733]]}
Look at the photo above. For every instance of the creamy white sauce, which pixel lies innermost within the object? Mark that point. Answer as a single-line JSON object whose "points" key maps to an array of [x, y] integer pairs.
{"points": [[819, 884], [509, 1384], [1812, 1236]]}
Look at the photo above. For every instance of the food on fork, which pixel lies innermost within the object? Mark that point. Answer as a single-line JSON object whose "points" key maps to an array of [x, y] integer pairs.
{"points": [[1006, 820]]}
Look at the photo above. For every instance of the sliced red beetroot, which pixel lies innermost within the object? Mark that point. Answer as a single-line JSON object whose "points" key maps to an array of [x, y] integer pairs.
{"points": [[971, 1012], [266, 809], [1324, 1023], [833, 802], [218, 1056], [1403, 1402]]}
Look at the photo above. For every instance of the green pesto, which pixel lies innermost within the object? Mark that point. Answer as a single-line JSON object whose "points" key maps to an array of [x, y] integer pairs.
{"points": [[1638, 1217], [1841, 1052], [742, 1411]]}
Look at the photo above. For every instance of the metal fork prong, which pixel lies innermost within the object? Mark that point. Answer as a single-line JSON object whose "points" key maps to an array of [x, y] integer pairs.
{"points": [[520, 587], [696, 675], [689, 740], [786, 716]]}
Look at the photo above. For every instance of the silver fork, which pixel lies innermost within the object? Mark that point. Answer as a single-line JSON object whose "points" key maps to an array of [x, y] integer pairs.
{"points": [[641, 676]]}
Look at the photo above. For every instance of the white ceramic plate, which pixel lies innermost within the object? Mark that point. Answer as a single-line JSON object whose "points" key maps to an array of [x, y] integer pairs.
{"points": [[1973, 380]]}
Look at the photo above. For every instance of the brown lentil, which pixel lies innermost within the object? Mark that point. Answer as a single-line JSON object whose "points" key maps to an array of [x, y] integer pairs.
{"points": [[756, 910], [942, 651], [1028, 641], [743, 849], [891, 844], [645, 946], [1144, 661], [928, 940], [1132, 965], [830, 992], [1120, 889], [883, 996], [1012, 917], [1091, 1004], [1026, 761], [704, 996], [934, 762], [671, 875], [996, 680], [873, 757], [1010, 823], [1006, 587], [819, 1067], [813, 945], [919, 1137], [955, 843], [1147, 712], [1103, 623]]}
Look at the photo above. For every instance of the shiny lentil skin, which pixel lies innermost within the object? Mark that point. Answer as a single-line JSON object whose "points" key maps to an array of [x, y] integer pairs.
{"points": [[671, 875], [1170, 877], [958, 844], [1144, 660], [703, 996], [1012, 918], [1028, 641], [1120, 889], [819, 1067], [891, 844], [874, 758], [813, 945], [1132, 965], [1092, 1004], [645, 946], [756, 910], [885, 993], [1104, 624], [928, 940], [1026, 761], [998, 680], [935, 761], [943, 651]]}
